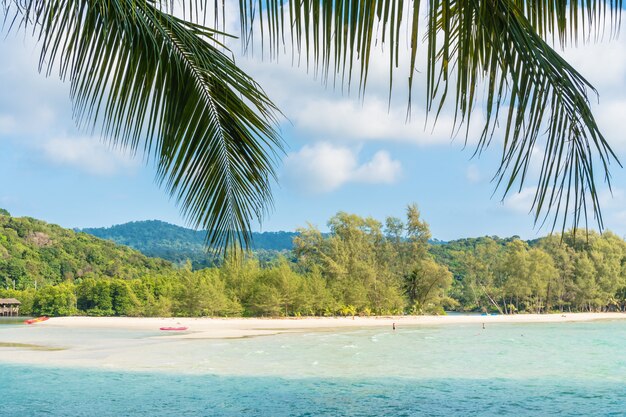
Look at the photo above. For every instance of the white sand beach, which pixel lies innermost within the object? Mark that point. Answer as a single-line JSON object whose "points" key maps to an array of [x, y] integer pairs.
{"points": [[222, 328], [312, 346]]}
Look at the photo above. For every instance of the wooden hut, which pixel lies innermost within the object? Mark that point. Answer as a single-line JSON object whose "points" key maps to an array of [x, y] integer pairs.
{"points": [[9, 307]]}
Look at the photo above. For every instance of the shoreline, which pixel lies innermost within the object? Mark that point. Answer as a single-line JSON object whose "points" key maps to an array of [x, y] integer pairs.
{"points": [[226, 328], [234, 346]]}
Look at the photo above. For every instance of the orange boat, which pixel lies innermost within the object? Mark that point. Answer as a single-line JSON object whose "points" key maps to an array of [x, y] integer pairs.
{"points": [[179, 329], [36, 320]]}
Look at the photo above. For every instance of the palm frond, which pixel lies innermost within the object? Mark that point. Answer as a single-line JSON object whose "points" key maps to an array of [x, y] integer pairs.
{"points": [[164, 86], [548, 109], [499, 45]]}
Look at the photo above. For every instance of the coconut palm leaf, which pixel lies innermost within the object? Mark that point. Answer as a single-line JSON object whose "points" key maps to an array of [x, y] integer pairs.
{"points": [[533, 99], [164, 86]]}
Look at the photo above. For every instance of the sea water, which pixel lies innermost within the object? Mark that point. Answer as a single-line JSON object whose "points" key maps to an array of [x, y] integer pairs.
{"points": [[575, 369]]}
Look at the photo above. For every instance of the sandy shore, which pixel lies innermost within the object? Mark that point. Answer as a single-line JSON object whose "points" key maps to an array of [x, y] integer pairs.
{"points": [[221, 328], [328, 344]]}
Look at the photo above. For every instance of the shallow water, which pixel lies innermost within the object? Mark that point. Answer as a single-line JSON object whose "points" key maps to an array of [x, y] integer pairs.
{"points": [[506, 369], [4, 320], [69, 392]]}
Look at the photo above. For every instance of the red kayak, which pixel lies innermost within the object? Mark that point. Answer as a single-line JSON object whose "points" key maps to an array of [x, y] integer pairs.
{"points": [[36, 320], [179, 329]]}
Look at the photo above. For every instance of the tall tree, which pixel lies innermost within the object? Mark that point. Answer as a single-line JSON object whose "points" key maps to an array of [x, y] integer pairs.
{"points": [[514, 274], [542, 275], [426, 286], [480, 267]]}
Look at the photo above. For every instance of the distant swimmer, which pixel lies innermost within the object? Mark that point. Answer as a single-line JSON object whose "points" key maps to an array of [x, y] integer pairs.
{"points": [[394, 326], [483, 326]]}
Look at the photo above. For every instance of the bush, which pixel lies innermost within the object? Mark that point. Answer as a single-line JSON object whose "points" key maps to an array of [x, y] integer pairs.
{"points": [[55, 301]]}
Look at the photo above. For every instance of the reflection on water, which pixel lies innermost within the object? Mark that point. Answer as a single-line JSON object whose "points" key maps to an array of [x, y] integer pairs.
{"points": [[13, 320]]}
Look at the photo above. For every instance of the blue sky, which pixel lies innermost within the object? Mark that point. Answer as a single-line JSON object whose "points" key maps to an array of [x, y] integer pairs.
{"points": [[342, 155]]}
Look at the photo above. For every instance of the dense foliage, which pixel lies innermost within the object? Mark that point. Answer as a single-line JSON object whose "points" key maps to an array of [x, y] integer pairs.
{"points": [[573, 272], [361, 267], [178, 244], [37, 254]]}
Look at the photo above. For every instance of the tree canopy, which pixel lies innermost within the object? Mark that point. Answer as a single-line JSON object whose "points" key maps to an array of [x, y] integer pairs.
{"points": [[363, 266]]}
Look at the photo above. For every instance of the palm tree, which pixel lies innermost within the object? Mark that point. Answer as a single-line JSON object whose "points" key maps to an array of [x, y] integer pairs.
{"points": [[164, 84]]}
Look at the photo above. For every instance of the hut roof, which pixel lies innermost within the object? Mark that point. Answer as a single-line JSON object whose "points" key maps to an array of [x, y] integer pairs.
{"points": [[9, 301]]}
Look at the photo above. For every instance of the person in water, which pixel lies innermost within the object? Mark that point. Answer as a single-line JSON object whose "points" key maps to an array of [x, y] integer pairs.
{"points": [[394, 326]]}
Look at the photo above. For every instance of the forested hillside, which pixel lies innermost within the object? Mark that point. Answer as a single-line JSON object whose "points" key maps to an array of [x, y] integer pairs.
{"points": [[35, 253], [178, 244], [363, 266]]}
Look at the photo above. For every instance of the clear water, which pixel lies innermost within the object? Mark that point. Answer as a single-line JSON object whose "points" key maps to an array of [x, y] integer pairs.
{"points": [[12, 320], [576, 369]]}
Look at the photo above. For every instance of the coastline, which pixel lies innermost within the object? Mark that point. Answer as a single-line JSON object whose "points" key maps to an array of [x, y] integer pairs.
{"points": [[427, 359], [315, 347], [225, 328]]}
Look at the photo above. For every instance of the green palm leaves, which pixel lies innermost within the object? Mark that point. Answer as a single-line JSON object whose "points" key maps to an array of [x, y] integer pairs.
{"points": [[534, 102], [163, 85]]}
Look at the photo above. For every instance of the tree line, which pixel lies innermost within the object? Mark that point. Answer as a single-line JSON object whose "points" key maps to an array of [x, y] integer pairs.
{"points": [[576, 271], [361, 267]]}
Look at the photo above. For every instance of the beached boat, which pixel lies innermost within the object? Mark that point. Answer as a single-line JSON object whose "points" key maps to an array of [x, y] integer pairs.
{"points": [[179, 329], [36, 320]]}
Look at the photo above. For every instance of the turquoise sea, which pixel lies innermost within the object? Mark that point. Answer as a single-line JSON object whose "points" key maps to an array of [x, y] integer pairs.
{"points": [[564, 369]]}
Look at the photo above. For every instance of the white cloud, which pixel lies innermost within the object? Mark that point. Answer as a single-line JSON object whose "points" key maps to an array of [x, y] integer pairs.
{"points": [[381, 169], [36, 111], [521, 202], [610, 117], [321, 167], [324, 167], [88, 155], [372, 120], [602, 63]]}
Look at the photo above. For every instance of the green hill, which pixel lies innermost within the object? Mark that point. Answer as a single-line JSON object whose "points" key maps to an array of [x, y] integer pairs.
{"points": [[35, 253], [57, 272], [178, 244]]}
